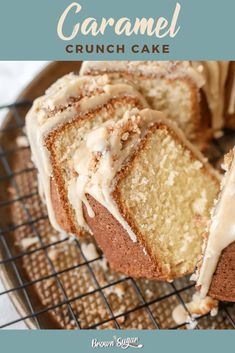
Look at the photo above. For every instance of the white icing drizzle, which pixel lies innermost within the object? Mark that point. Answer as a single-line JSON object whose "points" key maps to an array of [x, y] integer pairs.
{"points": [[221, 231], [196, 307], [39, 122]]}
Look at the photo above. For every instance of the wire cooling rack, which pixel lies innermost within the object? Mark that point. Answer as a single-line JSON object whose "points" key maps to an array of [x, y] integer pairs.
{"points": [[48, 275]]}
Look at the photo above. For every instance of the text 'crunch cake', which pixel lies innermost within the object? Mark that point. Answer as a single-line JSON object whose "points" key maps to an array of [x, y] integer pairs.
{"points": [[146, 193]]}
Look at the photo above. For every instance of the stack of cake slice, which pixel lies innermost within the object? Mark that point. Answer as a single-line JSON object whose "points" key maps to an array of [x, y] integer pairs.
{"points": [[198, 95], [57, 124], [111, 166]]}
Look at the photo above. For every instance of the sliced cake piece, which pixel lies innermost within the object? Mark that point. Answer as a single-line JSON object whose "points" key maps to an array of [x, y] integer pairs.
{"points": [[216, 275], [169, 86], [145, 193], [195, 94], [56, 125]]}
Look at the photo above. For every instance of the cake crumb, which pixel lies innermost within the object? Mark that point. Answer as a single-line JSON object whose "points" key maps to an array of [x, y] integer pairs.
{"points": [[144, 181], [104, 264], [192, 323], [28, 242], [227, 161], [197, 307], [199, 204], [125, 136], [162, 163], [53, 239], [197, 165], [102, 80], [118, 290], [171, 177], [214, 311], [218, 134], [120, 310], [89, 251], [149, 293], [122, 319], [22, 141], [53, 254]]}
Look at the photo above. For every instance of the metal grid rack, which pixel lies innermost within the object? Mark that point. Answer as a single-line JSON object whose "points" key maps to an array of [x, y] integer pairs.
{"points": [[51, 281]]}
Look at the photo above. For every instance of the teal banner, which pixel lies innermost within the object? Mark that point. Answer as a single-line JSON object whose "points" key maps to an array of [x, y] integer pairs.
{"points": [[108, 30], [117, 341]]}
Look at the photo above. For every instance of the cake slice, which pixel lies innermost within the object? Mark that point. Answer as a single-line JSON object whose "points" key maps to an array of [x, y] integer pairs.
{"points": [[146, 194], [198, 95], [169, 86], [56, 126], [216, 275]]}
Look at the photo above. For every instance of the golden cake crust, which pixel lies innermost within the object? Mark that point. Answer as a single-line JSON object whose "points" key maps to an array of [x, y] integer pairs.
{"points": [[64, 213], [122, 253]]}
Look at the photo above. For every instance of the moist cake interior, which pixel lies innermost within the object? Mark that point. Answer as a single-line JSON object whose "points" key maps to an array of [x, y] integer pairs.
{"points": [[175, 98], [177, 193]]}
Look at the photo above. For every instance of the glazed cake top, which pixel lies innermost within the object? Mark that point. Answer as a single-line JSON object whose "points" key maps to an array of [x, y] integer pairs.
{"points": [[210, 76]]}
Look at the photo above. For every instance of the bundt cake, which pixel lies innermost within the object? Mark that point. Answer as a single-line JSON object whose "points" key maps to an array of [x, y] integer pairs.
{"points": [[145, 192], [216, 274], [56, 125], [197, 95], [129, 175]]}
